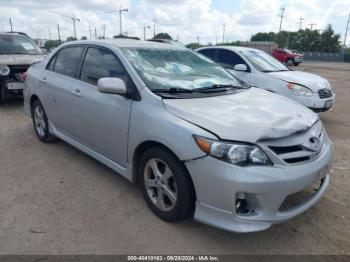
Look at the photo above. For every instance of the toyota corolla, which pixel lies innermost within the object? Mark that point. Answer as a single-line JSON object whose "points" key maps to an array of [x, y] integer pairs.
{"points": [[197, 142]]}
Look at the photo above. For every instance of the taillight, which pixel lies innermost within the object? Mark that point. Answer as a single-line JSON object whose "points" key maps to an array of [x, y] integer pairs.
{"points": [[25, 75]]}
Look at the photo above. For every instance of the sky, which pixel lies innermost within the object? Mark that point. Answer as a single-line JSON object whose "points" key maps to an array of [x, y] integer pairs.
{"points": [[184, 20]]}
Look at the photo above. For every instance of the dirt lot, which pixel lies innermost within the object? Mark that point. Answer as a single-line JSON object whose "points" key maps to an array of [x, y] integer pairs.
{"points": [[56, 200]]}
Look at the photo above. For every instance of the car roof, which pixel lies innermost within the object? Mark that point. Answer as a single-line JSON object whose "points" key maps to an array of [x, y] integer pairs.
{"points": [[14, 33], [232, 48], [121, 43]]}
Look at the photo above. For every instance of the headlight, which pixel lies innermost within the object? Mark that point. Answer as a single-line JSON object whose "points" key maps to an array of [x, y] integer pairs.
{"points": [[4, 70], [235, 153], [299, 90]]}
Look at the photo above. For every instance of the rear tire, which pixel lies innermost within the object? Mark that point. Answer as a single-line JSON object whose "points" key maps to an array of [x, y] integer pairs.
{"points": [[41, 123], [166, 185]]}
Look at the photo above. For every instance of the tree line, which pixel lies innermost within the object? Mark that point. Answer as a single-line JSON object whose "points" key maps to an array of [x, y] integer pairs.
{"points": [[305, 40]]}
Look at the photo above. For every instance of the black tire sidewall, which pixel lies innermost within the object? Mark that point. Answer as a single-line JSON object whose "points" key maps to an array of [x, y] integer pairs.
{"points": [[46, 136], [291, 62], [184, 207]]}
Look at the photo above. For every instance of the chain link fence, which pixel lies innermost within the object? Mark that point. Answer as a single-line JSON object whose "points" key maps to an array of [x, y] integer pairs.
{"points": [[329, 57]]}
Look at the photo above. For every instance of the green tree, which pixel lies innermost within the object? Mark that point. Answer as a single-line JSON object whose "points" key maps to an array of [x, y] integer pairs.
{"points": [[330, 42], [162, 36], [71, 38], [194, 45], [51, 44], [264, 36], [83, 38], [127, 37]]}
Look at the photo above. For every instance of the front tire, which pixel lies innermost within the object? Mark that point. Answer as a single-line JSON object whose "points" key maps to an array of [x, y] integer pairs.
{"points": [[290, 62], [41, 123], [166, 185]]}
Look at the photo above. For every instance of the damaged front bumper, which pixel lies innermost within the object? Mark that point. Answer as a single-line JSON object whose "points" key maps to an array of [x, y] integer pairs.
{"points": [[222, 189]]}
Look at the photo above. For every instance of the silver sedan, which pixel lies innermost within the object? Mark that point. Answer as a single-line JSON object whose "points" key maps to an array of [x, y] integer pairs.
{"points": [[199, 143]]}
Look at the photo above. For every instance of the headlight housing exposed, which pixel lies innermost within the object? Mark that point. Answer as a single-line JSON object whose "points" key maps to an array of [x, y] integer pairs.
{"points": [[234, 153], [4, 70], [299, 90]]}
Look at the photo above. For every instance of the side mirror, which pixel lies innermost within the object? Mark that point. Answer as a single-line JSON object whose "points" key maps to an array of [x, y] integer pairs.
{"points": [[111, 85], [241, 67]]}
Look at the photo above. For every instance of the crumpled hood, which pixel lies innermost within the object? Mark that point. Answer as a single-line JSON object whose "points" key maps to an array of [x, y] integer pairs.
{"points": [[313, 82], [20, 59], [249, 116]]}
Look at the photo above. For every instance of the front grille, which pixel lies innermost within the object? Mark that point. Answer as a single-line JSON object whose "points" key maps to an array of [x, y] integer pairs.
{"points": [[295, 154], [324, 93], [292, 154]]}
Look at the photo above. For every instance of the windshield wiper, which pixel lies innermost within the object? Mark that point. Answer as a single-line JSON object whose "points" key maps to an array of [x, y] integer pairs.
{"points": [[217, 88], [173, 90]]}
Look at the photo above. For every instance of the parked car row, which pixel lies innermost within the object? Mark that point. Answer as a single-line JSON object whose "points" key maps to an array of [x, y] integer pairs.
{"points": [[197, 138]]}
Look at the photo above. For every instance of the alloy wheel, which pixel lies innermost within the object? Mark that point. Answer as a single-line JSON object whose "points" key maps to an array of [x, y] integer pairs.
{"points": [[160, 184], [39, 121]]}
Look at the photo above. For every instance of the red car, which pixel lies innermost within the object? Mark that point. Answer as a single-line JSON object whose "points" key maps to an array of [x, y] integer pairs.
{"points": [[287, 56]]}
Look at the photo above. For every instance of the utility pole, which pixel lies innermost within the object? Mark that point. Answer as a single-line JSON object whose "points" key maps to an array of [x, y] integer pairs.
{"points": [[11, 25], [300, 23], [95, 33], [59, 34], [104, 31], [223, 32], [90, 31], [347, 28], [198, 40], [154, 27], [120, 11], [282, 16], [144, 30], [74, 20], [120, 18], [312, 25]]}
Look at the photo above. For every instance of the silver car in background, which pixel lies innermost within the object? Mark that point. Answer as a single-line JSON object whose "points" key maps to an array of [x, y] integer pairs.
{"points": [[197, 142]]}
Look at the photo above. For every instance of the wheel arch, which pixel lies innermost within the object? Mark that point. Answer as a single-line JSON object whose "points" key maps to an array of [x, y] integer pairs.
{"points": [[141, 148], [33, 98]]}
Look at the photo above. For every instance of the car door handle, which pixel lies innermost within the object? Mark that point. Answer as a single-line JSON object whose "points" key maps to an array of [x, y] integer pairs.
{"points": [[76, 92], [44, 80]]}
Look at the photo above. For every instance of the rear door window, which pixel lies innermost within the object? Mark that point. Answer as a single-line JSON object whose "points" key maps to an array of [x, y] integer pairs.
{"points": [[210, 53], [68, 60], [229, 59]]}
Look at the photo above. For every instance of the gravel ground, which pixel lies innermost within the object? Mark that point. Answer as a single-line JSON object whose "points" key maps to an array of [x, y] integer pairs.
{"points": [[56, 200]]}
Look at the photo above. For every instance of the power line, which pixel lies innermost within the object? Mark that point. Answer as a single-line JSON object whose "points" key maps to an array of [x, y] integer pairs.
{"points": [[59, 34], [312, 25], [120, 11], [300, 23], [104, 31], [11, 24], [154, 27], [74, 19], [144, 31], [90, 31], [223, 32], [347, 28], [282, 16]]}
